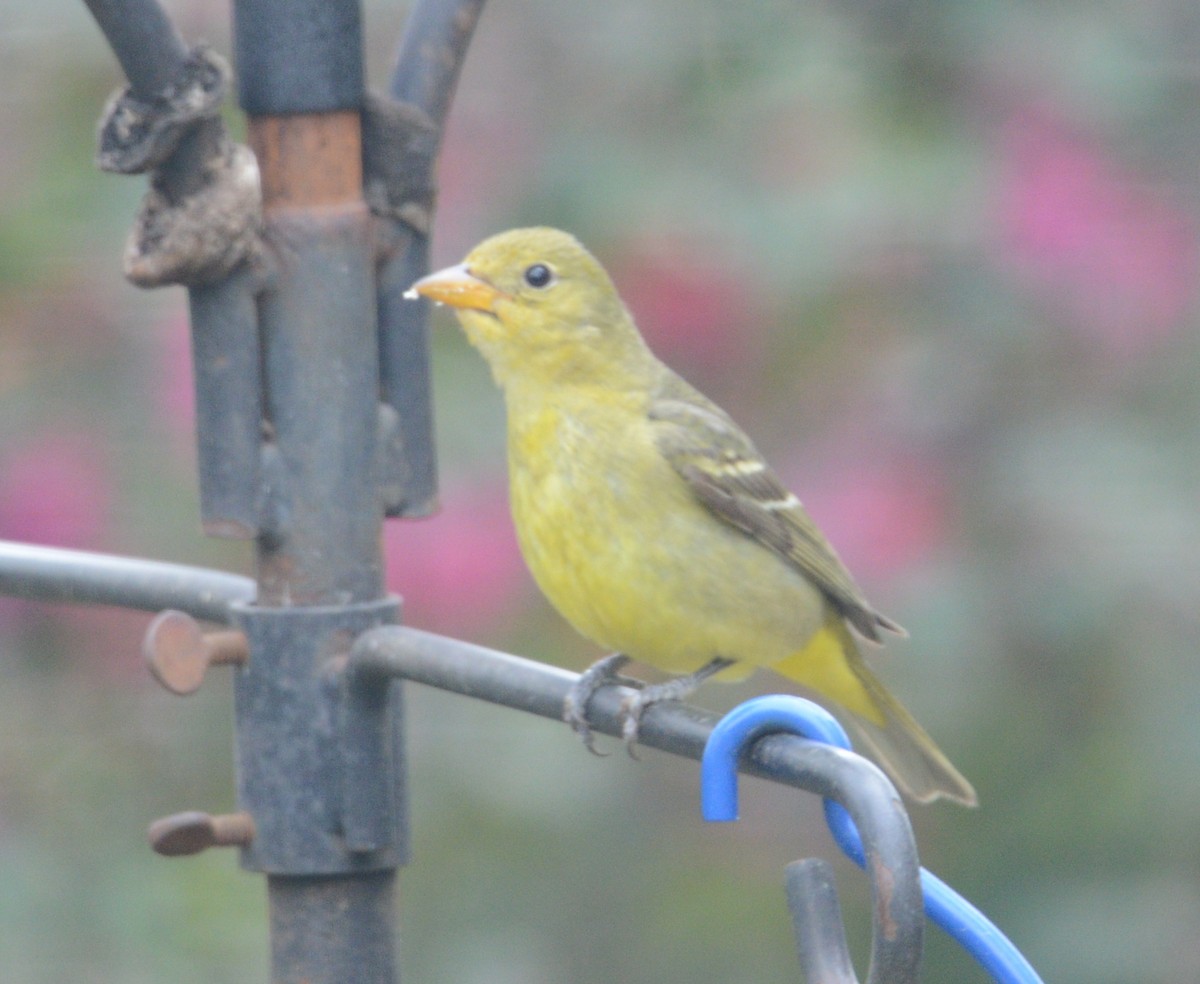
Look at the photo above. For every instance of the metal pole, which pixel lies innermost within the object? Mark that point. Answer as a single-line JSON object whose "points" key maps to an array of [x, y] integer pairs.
{"points": [[74, 576], [426, 73], [300, 79], [154, 57], [312, 419], [146, 43]]}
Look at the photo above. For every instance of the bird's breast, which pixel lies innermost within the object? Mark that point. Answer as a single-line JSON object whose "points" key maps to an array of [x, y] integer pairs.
{"points": [[573, 494], [624, 551]]}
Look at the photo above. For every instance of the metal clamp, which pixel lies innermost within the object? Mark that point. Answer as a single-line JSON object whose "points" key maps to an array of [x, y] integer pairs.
{"points": [[316, 767]]}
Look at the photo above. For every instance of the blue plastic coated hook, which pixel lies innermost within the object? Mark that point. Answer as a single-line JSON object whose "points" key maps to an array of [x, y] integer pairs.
{"points": [[719, 802]]}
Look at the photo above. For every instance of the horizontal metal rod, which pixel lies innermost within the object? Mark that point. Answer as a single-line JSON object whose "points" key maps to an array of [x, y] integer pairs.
{"points": [[526, 685], [54, 574], [889, 850]]}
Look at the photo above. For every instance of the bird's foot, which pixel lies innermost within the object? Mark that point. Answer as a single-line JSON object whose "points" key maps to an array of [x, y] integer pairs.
{"points": [[634, 706], [599, 674]]}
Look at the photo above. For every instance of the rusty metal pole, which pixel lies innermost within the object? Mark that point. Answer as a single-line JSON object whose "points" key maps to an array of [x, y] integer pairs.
{"points": [[312, 424], [300, 78]]}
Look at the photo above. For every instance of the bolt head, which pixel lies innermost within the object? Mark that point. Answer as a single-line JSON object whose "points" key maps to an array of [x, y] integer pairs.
{"points": [[175, 652]]}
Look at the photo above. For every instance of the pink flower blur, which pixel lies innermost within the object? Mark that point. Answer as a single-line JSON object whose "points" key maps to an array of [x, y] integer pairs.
{"points": [[882, 514], [474, 186], [175, 393], [55, 490], [1116, 254], [460, 570], [692, 309]]}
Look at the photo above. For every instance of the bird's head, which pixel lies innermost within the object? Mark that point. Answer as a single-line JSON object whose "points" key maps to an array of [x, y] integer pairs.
{"points": [[539, 307]]}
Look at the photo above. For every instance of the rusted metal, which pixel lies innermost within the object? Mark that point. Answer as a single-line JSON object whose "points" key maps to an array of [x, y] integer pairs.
{"points": [[319, 556], [304, 443], [182, 834], [308, 159], [346, 751], [320, 362], [179, 653], [320, 539]]}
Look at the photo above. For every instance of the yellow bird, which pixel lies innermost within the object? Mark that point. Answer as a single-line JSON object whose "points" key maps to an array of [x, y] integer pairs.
{"points": [[649, 519]]}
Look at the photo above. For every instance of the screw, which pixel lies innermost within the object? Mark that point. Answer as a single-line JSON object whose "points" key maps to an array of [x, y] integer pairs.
{"points": [[193, 832], [178, 652]]}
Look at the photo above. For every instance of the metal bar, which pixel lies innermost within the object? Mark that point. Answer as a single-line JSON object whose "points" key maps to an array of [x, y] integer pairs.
{"points": [[431, 54], [333, 929], [427, 68], [300, 78], [863, 810], [154, 58], [55, 575], [146, 43], [526, 685], [226, 360], [834, 773], [817, 923], [74, 576], [293, 733], [404, 378], [302, 56], [321, 926], [321, 381], [320, 362]]}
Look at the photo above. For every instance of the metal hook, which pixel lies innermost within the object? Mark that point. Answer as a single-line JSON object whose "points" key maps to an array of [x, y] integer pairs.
{"points": [[887, 849], [810, 888]]}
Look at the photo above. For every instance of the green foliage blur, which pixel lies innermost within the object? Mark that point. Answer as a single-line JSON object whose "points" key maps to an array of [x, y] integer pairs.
{"points": [[938, 258]]}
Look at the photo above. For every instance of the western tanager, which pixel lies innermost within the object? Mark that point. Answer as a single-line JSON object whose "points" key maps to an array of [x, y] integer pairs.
{"points": [[649, 519]]}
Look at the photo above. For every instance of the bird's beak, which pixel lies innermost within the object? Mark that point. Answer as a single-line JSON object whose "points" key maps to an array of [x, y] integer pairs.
{"points": [[457, 287]]}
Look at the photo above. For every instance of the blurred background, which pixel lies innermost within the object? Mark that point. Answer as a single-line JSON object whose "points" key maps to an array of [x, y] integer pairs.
{"points": [[938, 258]]}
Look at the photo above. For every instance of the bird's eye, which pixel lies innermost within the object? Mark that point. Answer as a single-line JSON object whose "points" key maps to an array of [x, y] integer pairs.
{"points": [[539, 275]]}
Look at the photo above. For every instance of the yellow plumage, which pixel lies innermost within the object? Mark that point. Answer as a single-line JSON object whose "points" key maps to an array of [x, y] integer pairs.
{"points": [[646, 516], [570, 504]]}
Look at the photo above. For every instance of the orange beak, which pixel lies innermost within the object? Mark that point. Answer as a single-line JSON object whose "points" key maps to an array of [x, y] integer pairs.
{"points": [[457, 287]]}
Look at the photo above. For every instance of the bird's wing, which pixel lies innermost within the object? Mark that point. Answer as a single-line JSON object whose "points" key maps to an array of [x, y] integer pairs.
{"points": [[726, 473]]}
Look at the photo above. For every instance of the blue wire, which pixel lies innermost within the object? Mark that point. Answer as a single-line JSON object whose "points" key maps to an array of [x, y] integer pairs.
{"points": [[718, 802]]}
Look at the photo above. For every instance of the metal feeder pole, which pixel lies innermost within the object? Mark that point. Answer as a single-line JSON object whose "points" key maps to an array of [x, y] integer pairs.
{"points": [[313, 424], [299, 68]]}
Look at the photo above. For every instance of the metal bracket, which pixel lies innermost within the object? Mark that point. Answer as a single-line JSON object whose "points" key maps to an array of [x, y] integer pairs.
{"points": [[316, 768]]}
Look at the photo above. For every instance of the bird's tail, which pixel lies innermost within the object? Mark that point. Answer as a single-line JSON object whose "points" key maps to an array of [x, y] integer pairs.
{"points": [[832, 666]]}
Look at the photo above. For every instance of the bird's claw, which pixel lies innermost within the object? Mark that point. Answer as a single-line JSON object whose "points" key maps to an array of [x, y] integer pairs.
{"points": [[634, 705], [575, 715], [575, 704], [632, 709]]}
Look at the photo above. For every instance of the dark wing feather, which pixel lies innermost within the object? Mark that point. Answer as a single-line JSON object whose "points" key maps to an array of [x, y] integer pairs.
{"points": [[726, 473]]}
